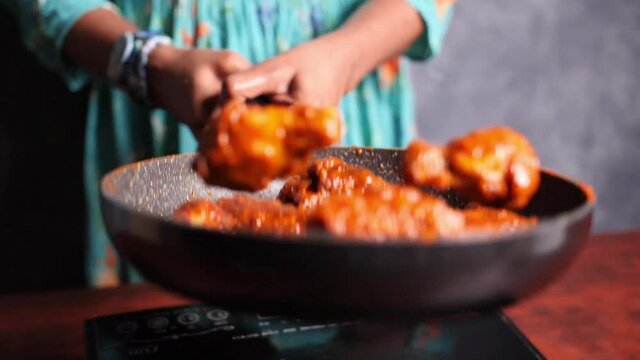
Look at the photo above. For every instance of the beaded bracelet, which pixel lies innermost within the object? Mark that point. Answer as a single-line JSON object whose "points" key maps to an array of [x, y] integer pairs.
{"points": [[127, 67]]}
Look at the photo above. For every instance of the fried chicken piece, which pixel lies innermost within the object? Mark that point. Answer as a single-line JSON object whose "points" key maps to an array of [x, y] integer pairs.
{"points": [[334, 176], [495, 166], [396, 212], [243, 213], [350, 201], [300, 192], [393, 213], [329, 176], [205, 213], [264, 216], [407, 213], [249, 145], [482, 219]]}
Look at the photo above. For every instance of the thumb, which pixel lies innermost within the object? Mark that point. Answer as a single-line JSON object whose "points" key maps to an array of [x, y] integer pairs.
{"points": [[262, 79]]}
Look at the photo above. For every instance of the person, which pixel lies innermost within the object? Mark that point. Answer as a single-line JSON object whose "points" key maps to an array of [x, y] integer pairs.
{"points": [[158, 68]]}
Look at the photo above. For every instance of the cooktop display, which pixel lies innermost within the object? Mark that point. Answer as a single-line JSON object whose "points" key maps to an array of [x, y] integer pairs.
{"points": [[209, 332]]}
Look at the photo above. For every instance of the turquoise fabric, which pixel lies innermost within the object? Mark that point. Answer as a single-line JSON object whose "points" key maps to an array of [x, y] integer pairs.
{"points": [[379, 112]]}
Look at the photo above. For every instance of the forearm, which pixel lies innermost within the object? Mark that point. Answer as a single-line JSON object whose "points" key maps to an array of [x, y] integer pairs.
{"points": [[378, 31], [88, 43]]}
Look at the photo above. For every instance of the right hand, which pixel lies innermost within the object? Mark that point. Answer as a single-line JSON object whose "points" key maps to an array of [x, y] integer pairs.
{"points": [[303, 74], [188, 82]]}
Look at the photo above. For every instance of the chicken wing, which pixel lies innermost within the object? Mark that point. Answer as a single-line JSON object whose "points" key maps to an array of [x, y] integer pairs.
{"points": [[329, 176], [482, 220], [243, 213], [249, 145], [495, 166], [351, 202], [205, 213], [396, 212]]}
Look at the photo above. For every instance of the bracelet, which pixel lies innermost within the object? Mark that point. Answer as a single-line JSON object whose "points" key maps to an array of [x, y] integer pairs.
{"points": [[128, 61]]}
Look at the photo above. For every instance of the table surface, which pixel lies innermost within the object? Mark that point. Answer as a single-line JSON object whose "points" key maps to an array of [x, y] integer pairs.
{"points": [[591, 312]]}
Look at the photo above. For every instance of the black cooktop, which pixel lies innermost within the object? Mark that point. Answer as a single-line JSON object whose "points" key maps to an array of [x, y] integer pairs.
{"points": [[208, 332]]}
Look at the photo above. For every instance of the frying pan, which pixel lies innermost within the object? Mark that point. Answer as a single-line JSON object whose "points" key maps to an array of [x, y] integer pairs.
{"points": [[319, 275]]}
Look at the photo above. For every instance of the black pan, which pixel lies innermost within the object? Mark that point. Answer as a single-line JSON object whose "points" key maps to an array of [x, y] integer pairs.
{"points": [[317, 274]]}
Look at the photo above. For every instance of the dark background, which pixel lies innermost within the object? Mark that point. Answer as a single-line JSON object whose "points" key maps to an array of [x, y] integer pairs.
{"points": [[566, 73], [41, 193]]}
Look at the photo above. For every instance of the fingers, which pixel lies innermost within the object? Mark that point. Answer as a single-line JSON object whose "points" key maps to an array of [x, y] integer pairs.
{"points": [[208, 80], [283, 99], [229, 62], [268, 78], [207, 86]]}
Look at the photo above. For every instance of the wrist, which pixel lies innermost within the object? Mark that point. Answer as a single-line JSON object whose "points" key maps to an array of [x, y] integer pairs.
{"points": [[347, 53], [161, 59], [129, 59]]}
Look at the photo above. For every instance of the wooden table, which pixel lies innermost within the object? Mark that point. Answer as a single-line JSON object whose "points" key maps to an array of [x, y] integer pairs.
{"points": [[592, 312]]}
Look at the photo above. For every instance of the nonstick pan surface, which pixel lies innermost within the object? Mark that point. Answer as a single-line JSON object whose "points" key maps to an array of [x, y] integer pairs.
{"points": [[316, 274]]}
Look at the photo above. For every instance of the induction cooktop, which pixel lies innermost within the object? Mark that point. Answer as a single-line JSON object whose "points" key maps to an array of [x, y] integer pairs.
{"points": [[209, 332]]}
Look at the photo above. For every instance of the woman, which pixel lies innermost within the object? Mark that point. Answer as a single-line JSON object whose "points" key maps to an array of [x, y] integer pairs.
{"points": [[159, 63]]}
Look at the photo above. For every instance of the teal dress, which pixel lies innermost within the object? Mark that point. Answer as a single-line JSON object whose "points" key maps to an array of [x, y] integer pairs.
{"points": [[379, 112]]}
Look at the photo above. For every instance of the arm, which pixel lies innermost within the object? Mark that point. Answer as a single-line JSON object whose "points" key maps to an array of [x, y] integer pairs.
{"points": [[378, 31], [320, 72], [90, 39], [76, 37], [185, 82], [44, 26]]}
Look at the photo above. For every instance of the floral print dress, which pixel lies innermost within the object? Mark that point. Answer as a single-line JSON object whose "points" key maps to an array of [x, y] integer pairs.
{"points": [[379, 112]]}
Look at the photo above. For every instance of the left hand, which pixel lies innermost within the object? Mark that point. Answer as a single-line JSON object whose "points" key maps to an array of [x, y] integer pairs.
{"points": [[317, 73]]}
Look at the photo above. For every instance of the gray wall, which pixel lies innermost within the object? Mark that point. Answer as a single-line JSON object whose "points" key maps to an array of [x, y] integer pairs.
{"points": [[564, 72]]}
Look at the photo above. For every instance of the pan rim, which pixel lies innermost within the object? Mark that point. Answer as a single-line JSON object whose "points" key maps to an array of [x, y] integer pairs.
{"points": [[320, 238]]}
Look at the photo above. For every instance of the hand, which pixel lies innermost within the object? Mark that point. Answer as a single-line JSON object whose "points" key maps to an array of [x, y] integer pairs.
{"points": [[317, 73], [188, 82]]}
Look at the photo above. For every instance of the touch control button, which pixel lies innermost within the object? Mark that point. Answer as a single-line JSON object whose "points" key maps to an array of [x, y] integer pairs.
{"points": [[217, 315], [188, 318], [158, 323], [127, 327]]}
